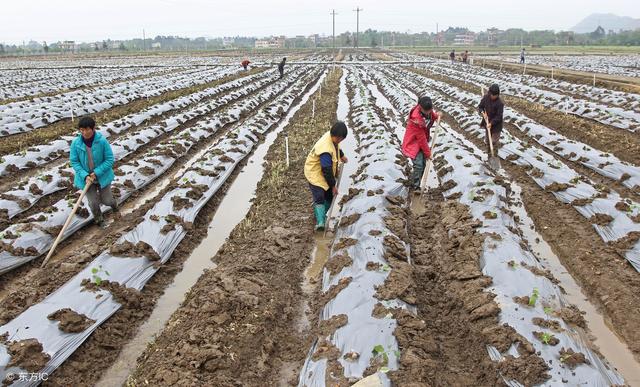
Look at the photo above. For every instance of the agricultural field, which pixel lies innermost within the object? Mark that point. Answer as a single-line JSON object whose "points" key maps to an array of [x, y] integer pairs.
{"points": [[625, 65], [212, 274]]}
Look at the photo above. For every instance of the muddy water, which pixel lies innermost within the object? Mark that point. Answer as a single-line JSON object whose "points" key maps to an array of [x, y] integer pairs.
{"points": [[611, 347], [231, 211]]}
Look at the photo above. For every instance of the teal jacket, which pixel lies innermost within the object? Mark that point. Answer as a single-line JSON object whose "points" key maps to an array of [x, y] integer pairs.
{"points": [[102, 160]]}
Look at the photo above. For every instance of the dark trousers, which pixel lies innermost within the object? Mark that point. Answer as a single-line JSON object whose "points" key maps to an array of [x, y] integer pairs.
{"points": [[495, 139], [97, 196], [320, 196], [418, 169]]}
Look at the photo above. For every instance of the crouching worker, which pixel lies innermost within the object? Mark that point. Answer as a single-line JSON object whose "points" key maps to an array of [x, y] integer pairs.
{"points": [[92, 161], [321, 168], [415, 144]]}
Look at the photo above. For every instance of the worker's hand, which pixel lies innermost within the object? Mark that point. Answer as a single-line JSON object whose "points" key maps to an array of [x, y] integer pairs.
{"points": [[344, 159], [334, 189], [90, 178]]}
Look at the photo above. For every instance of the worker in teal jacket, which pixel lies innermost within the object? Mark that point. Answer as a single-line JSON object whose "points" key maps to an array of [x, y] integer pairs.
{"points": [[92, 160]]}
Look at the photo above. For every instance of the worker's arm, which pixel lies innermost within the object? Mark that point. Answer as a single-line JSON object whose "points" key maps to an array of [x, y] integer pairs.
{"points": [[481, 106], [76, 165], [326, 163], [421, 137], [107, 164], [343, 158]]}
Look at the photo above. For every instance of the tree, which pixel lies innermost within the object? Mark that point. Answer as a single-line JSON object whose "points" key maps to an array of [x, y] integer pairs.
{"points": [[104, 45], [122, 47], [2, 49], [45, 47]]}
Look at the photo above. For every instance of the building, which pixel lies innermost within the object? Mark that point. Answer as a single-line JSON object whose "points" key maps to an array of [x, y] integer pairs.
{"points": [[272, 42], [68, 46], [465, 39], [228, 42], [156, 45], [492, 36]]}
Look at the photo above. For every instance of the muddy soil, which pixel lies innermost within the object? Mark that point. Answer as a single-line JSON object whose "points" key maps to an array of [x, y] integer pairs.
{"points": [[608, 279], [70, 321], [238, 325], [445, 344]]}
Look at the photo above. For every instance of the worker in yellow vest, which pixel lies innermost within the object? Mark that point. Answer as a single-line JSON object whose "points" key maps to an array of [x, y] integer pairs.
{"points": [[321, 169]]}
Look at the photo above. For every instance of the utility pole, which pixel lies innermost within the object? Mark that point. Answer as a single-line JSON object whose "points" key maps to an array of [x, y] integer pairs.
{"points": [[144, 41], [357, 11], [333, 13]]}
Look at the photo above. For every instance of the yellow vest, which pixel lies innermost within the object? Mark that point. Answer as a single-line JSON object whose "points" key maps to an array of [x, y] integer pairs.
{"points": [[312, 168]]}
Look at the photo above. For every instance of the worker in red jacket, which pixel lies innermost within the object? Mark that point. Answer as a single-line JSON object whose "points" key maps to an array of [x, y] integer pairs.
{"points": [[245, 64], [415, 144]]}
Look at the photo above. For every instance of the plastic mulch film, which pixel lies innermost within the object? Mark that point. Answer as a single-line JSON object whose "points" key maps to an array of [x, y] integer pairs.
{"points": [[459, 165], [608, 115], [363, 334], [135, 257], [21, 197], [24, 116], [506, 258], [611, 216], [43, 154], [23, 242], [605, 164]]}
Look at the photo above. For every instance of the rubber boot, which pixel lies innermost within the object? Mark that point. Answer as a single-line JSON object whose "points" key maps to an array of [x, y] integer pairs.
{"points": [[319, 211], [327, 206]]}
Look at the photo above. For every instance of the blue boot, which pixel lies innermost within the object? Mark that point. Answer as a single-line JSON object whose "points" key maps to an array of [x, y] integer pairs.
{"points": [[321, 214]]}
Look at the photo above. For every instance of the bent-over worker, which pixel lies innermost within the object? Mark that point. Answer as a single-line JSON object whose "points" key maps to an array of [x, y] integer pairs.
{"points": [[415, 144], [321, 169], [492, 105]]}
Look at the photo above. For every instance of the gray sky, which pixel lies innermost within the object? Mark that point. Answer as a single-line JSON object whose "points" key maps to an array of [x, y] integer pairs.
{"points": [[92, 20]]}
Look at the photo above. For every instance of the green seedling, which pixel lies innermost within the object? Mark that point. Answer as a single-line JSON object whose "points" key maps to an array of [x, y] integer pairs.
{"points": [[546, 337], [575, 180], [534, 297], [95, 274], [512, 264], [547, 310], [378, 350]]}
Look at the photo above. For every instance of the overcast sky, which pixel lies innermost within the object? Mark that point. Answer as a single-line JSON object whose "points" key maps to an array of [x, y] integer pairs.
{"points": [[93, 20]]}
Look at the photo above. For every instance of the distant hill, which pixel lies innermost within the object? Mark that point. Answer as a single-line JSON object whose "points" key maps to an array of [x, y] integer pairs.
{"points": [[608, 21]]}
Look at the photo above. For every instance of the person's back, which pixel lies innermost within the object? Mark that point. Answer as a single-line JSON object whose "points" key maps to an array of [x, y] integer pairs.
{"points": [[281, 66]]}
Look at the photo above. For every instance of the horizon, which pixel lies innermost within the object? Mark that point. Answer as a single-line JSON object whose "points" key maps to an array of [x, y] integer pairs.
{"points": [[191, 19]]}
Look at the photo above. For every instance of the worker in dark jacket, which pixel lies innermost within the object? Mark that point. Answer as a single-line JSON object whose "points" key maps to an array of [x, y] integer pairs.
{"points": [[321, 169], [415, 144], [92, 161], [492, 105], [281, 67], [452, 56]]}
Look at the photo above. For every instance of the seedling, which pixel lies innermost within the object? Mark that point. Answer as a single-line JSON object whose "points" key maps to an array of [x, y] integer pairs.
{"points": [[547, 310], [378, 350], [534, 297], [546, 337], [512, 264], [95, 274]]}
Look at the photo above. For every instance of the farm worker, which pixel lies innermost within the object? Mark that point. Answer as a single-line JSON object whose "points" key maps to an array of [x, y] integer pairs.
{"points": [[245, 63], [452, 56], [321, 168], [281, 66], [493, 106], [415, 144], [465, 56], [522, 56], [92, 161]]}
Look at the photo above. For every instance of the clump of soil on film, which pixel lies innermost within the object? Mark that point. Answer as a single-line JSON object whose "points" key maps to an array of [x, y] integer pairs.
{"points": [[601, 219], [549, 324], [557, 187], [71, 321], [27, 354], [571, 358], [338, 262], [128, 249]]}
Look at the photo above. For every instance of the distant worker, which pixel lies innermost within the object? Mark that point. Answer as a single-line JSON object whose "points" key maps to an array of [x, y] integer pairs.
{"points": [[281, 66], [522, 56], [452, 56], [465, 56], [321, 169], [92, 161], [493, 106], [245, 64], [415, 144]]}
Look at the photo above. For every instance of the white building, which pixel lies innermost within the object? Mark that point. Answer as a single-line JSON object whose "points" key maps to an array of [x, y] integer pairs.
{"points": [[272, 42]]}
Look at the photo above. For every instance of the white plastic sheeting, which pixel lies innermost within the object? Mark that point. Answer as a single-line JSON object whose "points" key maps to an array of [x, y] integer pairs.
{"points": [[218, 163], [362, 331], [458, 161], [23, 242]]}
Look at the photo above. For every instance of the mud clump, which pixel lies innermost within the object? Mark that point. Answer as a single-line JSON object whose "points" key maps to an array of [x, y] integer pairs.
{"points": [[34, 189], [27, 354], [346, 221], [549, 324], [196, 191], [70, 321], [490, 215], [353, 192], [338, 262], [394, 248], [601, 219], [571, 358], [572, 315], [128, 249], [557, 187], [623, 206], [180, 203], [128, 297], [581, 202], [529, 370], [344, 243], [147, 171], [328, 327]]}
